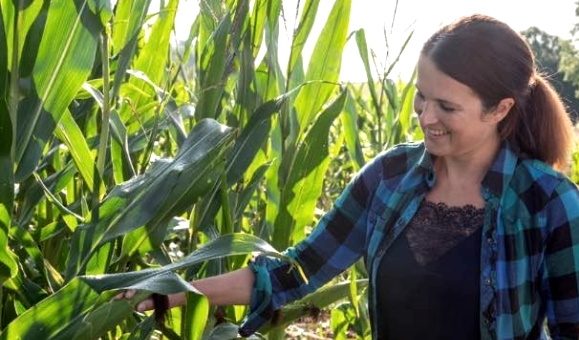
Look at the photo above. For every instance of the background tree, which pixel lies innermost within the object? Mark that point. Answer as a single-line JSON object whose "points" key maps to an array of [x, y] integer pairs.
{"points": [[557, 59], [569, 64]]}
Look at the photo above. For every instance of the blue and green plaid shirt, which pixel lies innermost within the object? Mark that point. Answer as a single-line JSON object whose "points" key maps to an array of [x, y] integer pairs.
{"points": [[529, 251]]}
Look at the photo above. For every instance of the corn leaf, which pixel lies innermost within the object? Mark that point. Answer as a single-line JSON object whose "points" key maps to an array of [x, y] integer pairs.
{"points": [[196, 317], [363, 50], [164, 191], [79, 310], [350, 126], [323, 297], [163, 280], [303, 30], [151, 62], [253, 137], [211, 71], [324, 65], [27, 16], [8, 266], [72, 30], [68, 131], [305, 178], [171, 188], [130, 17]]}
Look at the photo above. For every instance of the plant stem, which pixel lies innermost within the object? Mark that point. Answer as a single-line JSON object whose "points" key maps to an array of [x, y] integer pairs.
{"points": [[14, 75], [225, 207], [104, 135]]}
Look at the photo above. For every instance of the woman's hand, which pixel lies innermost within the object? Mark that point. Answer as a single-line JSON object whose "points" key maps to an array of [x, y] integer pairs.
{"points": [[232, 288], [174, 300]]}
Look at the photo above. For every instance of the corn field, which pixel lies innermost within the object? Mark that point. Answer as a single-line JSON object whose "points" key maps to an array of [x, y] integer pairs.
{"points": [[127, 163]]}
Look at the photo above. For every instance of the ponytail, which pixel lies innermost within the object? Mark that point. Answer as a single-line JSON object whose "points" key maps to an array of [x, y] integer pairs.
{"points": [[496, 62], [543, 128]]}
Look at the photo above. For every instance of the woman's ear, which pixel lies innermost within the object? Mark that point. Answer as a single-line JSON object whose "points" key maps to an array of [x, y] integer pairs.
{"points": [[501, 109]]}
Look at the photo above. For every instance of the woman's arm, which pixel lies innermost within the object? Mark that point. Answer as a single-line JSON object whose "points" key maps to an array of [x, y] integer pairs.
{"points": [[232, 288], [562, 268]]}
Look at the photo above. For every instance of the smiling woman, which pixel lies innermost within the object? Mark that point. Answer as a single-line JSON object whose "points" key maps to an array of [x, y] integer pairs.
{"points": [[471, 234], [453, 117]]}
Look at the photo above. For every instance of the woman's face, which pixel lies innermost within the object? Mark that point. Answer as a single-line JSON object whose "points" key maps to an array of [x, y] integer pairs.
{"points": [[452, 116]]}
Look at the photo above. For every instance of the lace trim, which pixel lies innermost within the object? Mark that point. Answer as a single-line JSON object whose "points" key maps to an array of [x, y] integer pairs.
{"points": [[437, 228]]}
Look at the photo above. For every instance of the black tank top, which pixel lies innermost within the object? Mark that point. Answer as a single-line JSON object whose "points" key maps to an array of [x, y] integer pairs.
{"points": [[428, 280]]}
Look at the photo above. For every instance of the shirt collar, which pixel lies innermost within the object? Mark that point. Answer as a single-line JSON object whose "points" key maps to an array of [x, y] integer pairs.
{"points": [[497, 177], [501, 171]]}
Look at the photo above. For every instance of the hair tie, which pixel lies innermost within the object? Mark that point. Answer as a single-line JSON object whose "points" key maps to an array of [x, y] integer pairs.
{"points": [[533, 83]]}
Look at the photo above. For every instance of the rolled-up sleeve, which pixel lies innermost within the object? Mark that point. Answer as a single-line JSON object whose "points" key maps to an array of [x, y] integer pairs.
{"points": [[338, 241]]}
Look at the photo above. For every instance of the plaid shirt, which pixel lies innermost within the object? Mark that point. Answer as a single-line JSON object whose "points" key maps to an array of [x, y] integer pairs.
{"points": [[529, 251]]}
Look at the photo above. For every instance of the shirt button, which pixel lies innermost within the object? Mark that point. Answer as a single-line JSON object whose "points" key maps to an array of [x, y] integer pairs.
{"points": [[488, 281], [490, 240]]}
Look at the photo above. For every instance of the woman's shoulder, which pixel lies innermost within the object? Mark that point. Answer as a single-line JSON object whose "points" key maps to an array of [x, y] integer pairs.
{"points": [[393, 163], [401, 156], [541, 180]]}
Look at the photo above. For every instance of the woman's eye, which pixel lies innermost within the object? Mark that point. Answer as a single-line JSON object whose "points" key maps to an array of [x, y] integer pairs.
{"points": [[446, 108], [418, 99]]}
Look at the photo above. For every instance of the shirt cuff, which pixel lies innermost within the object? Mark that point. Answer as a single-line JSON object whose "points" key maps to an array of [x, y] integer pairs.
{"points": [[260, 307]]}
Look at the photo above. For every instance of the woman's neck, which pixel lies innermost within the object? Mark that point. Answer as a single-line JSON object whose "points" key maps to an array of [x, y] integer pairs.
{"points": [[458, 179], [468, 168]]}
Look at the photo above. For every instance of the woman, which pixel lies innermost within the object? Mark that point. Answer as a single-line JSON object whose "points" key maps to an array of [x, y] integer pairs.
{"points": [[470, 234]]}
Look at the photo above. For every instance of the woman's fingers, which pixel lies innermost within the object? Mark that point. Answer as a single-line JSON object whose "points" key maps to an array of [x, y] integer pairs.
{"points": [[148, 304], [144, 305], [125, 294]]}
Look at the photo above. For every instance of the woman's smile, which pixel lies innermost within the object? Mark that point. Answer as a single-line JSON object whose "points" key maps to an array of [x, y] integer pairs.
{"points": [[436, 133]]}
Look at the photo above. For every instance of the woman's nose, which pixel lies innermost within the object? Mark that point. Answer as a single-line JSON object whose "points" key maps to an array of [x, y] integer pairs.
{"points": [[426, 113]]}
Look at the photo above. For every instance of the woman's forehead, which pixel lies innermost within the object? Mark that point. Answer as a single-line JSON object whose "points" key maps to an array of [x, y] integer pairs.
{"points": [[433, 82]]}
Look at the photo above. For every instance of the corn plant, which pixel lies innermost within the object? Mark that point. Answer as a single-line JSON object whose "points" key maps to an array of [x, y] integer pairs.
{"points": [[91, 108], [129, 164]]}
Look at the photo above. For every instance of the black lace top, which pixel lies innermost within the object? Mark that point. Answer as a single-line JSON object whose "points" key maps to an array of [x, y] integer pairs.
{"points": [[428, 280]]}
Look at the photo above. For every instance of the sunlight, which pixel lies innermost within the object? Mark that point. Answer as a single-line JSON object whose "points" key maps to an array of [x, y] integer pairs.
{"points": [[424, 17]]}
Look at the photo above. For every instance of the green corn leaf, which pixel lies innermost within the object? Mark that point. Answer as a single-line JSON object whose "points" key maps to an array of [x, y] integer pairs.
{"points": [[127, 22], [340, 319], [50, 316], [305, 178], [27, 16], [253, 137], [195, 318], [324, 65], [72, 30], [404, 45], [163, 280], [312, 303], [102, 8], [165, 190], [81, 310], [249, 190], [349, 119], [8, 267], [363, 50], [120, 154], [151, 62], [303, 30], [195, 170], [257, 23], [211, 71], [247, 145], [68, 131], [407, 106]]}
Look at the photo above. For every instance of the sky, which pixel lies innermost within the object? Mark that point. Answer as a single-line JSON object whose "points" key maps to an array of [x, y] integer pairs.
{"points": [[424, 17]]}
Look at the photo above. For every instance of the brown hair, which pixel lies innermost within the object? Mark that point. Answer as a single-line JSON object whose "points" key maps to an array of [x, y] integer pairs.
{"points": [[496, 63]]}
